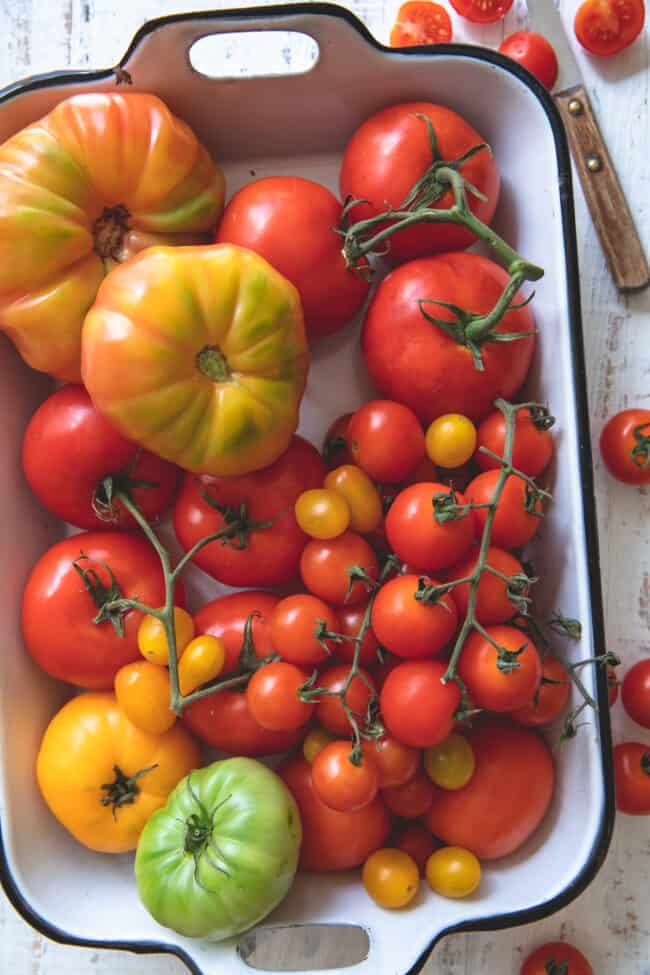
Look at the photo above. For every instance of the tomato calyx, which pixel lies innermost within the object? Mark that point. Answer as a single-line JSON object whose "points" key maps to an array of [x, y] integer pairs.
{"points": [[237, 526], [109, 231], [107, 491], [641, 451], [198, 840], [107, 599], [553, 968], [431, 594], [508, 660], [356, 573], [212, 363], [446, 507], [124, 789], [541, 417]]}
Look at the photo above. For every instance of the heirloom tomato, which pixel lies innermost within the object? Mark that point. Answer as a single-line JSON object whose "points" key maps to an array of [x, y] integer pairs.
{"points": [[262, 541], [223, 720], [101, 177], [199, 355], [416, 362], [102, 777], [391, 151], [625, 446], [225, 618], [292, 223]]}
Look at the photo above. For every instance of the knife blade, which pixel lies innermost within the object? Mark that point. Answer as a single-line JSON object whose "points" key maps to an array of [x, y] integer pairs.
{"points": [[603, 193]]}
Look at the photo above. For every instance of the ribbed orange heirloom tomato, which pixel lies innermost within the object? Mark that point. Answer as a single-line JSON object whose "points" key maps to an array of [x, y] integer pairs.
{"points": [[198, 354], [101, 177]]}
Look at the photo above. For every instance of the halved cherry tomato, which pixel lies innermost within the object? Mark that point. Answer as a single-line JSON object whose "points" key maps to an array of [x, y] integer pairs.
{"points": [[329, 710], [322, 512], [486, 674], [625, 446], [202, 660], [482, 11], [350, 621], [226, 618], [550, 698], [635, 693], [418, 709], [417, 841], [534, 53], [492, 603], [143, 692], [453, 872], [396, 763], [421, 22], [295, 621], [386, 440], [451, 764], [391, 877], [532, 449], [361, 495], [408, 626], [412, 799], [315, 741], [513, 524], [152, 639], [415, 535], [273, 697], [605, 27], [632, 768], [556, 957], [336, 446], [326, 567], [341, 783], [451, 440]]}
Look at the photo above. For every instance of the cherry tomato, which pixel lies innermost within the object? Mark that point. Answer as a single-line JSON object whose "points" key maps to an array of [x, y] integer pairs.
{"points": [[226, 618], [421, 22], [361, 495], [224, 721], [513, 525], [409, 627], [333, 840], [329, 710], [350, 621], [632, 769], [273, 697], [482, 11], [549, 700], [556, 957], [386, 440], [492, 687], [451, 440], [341, 783], [532, 448], [453, 872], [314, 743], [203, 660], [412, 799], [391, 877], [492, 603], [605, 27], [143, 692], [336, 446], [534, 53], [451, 764], [294, 623], [635, 693], [418, 538], [396, 763], [387, 666], [625, 446], [325, 568], [418, 709], [417, 841], [612, 683], [322, 513], [152, 640]]}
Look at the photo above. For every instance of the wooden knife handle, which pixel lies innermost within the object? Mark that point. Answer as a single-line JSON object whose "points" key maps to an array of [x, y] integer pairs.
{"points": [[607, 204]]}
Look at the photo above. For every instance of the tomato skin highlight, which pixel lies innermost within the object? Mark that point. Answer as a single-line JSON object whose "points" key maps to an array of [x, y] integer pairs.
{"points": [[534, 53], [482, 11], [386, 440], [632, 771], [421, 22], [417, 708], [606, 27], [407, 627], [488, 686], [532, 449], [617, 441], [554, 953], [417, 538], [339, 782]]}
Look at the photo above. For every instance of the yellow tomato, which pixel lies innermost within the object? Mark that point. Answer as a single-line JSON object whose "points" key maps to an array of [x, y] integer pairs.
{"points": [[102, 777], [315, 742], [451, 440], [203, 659], [322, 513], [391, 877], [101, 177], [450, 764], [142, 691], [361, 495], [453, 872], [152, 640]]}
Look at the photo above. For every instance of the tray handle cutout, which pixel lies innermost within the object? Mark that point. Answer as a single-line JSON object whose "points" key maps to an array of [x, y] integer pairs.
{"points": [[239, 54], [304, 947]]}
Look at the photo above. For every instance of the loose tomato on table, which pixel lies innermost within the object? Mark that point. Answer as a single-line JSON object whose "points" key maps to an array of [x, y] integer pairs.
{"points": [[408, 625], [556, 957], [327, 569], [391, 877], [625, 446], [533, 52], [396, 763], [482, 11], [68, 450], [632, 771], [292, 222], [411, 799], [421, 22], [492, 603], [226, 618], [550, 699], [500, 680], [294, 627], [262, 541], [517, 517], [224, 721], [329, 709], [386, 440], [532, 448], [418, 709], [605, 27], [360, 496], [350, 622], [420, 539], [273, 697], [450, 440], [75, 204], [341, 783]]}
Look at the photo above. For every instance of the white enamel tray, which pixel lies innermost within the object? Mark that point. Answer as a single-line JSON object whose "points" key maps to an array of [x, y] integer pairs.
{"points": [[299, 125]]}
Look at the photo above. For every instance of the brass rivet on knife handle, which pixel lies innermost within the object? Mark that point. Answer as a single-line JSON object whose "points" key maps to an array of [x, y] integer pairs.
{"points": [[605, 199]]}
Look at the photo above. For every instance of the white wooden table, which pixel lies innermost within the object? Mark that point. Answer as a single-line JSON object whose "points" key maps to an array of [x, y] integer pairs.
{"points": [[611, 921]]}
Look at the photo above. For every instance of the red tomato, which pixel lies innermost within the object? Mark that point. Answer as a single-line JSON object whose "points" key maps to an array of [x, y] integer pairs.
{"points": [[225, 618], [482, 11], [612, 683], [69, 448], [492, 602], [396, 763], [549, 958], [632, 770], [408, 627], [625, 446], [418, 709], [329, 710], [386, 667], [635, 693], [513, 526], [490, 687], [417, 363], [325, 568], [294, 624], [339, 782], [549, 701], [532, 450], [350, 621], [418, 538], [605, 27], [418, 842], [391, 151], [273, 698], [58, 611], [292, 223], [333, 840], [534, 53], [412, 799], [224, 721], [505, 800], [386, 440], [421, 22], [271, 553], [336, 449]]}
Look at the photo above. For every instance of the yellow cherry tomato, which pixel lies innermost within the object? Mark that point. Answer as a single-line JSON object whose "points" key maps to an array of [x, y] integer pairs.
{"points": [[315, 742], [361, 495], [152, 641], [451, 440], [322, 513], [391, 877], [142, 691], [450, 764], [453, 872], [203, 659]]}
